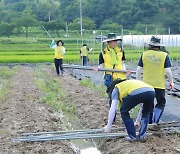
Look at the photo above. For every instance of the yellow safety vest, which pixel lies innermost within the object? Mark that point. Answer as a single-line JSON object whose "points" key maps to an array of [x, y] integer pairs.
{"points": [[107, 56], [153, 66], [58, 52], [126, 87], [84, 51]]}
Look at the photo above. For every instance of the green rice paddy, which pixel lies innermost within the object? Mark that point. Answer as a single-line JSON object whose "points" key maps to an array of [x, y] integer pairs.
{"points": [[22, 50]]}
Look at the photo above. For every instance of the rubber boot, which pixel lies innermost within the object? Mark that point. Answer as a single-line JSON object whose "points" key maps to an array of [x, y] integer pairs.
{"points": [[129, 124], [143, 129], [157, 115]]}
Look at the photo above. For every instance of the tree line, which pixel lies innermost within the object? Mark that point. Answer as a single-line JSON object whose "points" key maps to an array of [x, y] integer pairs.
{"points": [[135, 16]]}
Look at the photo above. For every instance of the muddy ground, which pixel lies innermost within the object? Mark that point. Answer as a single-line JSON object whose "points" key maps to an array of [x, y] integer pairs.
{"points": [[22, 111]]}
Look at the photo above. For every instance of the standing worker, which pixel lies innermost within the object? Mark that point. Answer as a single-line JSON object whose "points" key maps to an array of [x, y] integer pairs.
{"points": [[58, 56], [84, 54], [112, 57], [130, 93], [156, 63]]}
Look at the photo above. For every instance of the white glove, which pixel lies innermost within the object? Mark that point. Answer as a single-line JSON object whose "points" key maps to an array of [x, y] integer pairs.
{"points": [[107, 129]]}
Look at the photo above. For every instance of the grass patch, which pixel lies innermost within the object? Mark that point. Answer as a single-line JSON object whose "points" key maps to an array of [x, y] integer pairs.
{"points": [[53, 94], [101, 89], [5, 74]]}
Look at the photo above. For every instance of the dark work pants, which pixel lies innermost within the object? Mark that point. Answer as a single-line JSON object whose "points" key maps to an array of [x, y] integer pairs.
{"points": [[58, 64], [84, 60], [160, 97], [129, 102]]}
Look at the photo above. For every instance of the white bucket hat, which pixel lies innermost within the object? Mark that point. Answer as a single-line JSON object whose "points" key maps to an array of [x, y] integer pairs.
{"points": [[112, 37]]}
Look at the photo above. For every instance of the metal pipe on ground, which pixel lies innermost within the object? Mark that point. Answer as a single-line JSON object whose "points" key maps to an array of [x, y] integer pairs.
{"points": [[87, 133], [61, 137], [83, 131]]}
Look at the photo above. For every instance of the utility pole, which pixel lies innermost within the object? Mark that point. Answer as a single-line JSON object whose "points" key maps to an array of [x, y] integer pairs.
{"points": [[80, 17], [66, 29], [49, 15], [122, 31]]}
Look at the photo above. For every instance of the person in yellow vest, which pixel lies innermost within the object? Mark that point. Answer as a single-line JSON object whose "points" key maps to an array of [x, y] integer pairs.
{"points": [[112, 57], [59, 51], [84, 54], [155, 64], [130, 93]]}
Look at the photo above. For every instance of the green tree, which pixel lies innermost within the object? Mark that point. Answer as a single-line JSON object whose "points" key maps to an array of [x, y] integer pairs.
{"points": [[145, 11], [98, 11], [27, 20], [47, 11], [172, 16], [70, 10], [6, 28], [112, 26], [55, 25], [87, 24]]}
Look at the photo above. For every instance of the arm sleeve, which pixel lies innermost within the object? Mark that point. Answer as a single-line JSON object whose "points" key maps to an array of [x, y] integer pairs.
{"points": [[112, 112], [169, 74], [101, 59], [113, 108], [167, 62], [138, 72], [64, 51]]}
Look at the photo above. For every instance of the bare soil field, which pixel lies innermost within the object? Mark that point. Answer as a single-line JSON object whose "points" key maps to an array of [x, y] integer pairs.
{"points": [[22, 111]]}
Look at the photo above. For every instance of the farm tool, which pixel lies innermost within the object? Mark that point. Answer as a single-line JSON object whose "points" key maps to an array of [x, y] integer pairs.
{"points": [[162, 128], [48, 33]]}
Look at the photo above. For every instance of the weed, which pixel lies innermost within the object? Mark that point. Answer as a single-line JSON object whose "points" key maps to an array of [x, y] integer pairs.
{"points": [[53, 94]]}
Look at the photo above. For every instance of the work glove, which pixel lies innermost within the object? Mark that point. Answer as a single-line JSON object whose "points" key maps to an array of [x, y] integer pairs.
{"points": [[90, 49], [171, 85], [107, 129]]}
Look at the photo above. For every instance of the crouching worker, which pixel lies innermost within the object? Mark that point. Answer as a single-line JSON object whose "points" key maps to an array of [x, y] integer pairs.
{"points": [[130, 93]]}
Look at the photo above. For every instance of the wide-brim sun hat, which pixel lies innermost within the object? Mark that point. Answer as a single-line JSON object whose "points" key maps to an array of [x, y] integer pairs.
{"points": [[155, 41], [112, 37]]}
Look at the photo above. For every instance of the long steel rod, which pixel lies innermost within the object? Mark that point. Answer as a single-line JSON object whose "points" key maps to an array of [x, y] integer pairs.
{"points": [[78, 134], [96, 130], [47, 33], [92, 68], [60, 137], [72, 131]]}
